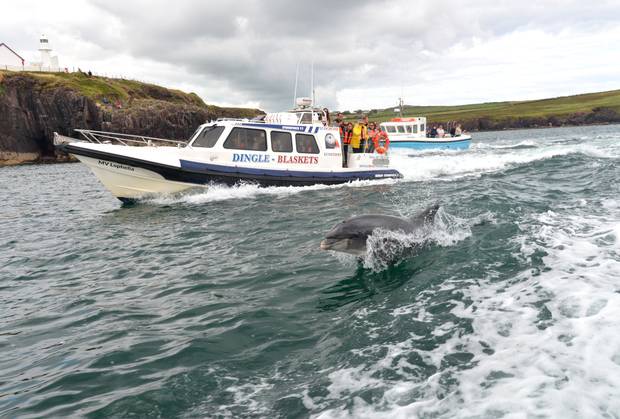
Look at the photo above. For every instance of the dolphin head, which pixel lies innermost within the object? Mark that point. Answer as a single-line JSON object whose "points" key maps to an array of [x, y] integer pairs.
{"points": [[347, 237]]}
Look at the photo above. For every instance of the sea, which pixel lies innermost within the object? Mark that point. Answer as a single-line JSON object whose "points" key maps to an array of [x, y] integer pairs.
{"points": [[219, 303]]}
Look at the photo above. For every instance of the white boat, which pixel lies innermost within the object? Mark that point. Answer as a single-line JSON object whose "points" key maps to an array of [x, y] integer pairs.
{"points": [[410, 133], [298, 150]]}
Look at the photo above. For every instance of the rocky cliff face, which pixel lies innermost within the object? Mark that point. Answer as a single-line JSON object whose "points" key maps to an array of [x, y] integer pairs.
{"points": [[31, 111]]}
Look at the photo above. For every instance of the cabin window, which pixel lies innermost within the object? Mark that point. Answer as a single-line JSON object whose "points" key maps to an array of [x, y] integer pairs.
{"points": [[422, 128], [246, 139], [382, 128], [401, 129], [391, 128], [305, 118], [408, 128], [281, 142], [414, 129], [208, 137], [305, 143]]}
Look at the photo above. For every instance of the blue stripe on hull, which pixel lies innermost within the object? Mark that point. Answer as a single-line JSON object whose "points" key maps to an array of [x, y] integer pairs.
{"points": [[429, 145], [362, 174]]}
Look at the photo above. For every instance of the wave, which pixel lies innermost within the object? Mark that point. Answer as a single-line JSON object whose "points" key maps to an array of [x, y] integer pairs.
{"points": [[215, 192], [385, 248], [544, 343], [520, 145]]}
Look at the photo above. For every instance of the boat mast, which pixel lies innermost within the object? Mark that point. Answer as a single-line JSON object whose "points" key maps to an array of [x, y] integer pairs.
{"points": [[400, 106], [295, 91], [312, 83]]}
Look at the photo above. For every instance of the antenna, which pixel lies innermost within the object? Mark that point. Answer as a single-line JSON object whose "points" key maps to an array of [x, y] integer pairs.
{"points": [[296, 79], [312, 82]]}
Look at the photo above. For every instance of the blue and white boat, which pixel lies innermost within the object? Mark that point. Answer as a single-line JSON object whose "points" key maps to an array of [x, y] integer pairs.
{"points": [[410, 133], [285, 149]]}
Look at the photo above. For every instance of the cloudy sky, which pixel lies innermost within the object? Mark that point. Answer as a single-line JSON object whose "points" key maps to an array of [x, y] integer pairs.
{"points": [[366, 54]]}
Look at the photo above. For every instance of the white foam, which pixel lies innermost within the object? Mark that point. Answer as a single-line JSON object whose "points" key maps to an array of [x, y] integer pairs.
{"points": [[215, 192], [450, 165], [564, 364], [386, 247]]}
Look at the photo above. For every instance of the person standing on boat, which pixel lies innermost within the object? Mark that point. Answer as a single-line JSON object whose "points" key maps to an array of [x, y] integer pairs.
{"points": [[372, 132], [346, 133], [360, 133], [327, 121], [339, 122]]}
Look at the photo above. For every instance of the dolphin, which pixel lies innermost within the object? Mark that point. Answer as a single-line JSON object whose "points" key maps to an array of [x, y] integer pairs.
{"points": [[350, 236]]}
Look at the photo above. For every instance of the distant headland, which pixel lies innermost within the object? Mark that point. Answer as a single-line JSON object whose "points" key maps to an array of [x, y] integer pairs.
{"points": [[33, 105], [583, 109]]}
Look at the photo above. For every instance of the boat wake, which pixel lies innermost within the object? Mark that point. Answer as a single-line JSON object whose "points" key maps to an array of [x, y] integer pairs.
{"points": [[443, 165]]}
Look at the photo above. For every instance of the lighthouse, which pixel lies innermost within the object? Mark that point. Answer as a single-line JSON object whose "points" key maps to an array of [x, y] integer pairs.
{"points": [[47, 60]]}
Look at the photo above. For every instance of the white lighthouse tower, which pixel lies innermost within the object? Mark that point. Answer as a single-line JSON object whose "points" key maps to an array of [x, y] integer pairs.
{"points": [[48, 62]]}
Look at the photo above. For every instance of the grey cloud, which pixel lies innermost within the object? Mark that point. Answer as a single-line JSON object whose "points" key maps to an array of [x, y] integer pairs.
{"points": [[247, 50]]}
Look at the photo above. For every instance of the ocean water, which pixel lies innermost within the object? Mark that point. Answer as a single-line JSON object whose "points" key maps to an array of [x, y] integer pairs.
{"points": [[219, 302]]}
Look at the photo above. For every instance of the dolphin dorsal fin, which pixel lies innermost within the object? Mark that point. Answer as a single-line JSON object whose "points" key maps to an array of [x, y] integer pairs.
{"points": [[426, 216]]}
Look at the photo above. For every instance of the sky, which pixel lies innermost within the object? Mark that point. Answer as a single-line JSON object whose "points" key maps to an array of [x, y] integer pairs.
{"points": [[365, 54]]}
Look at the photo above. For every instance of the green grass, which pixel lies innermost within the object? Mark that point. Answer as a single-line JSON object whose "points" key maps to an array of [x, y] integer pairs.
{"points": [[98, 88], [126, 91], [498, 111]]}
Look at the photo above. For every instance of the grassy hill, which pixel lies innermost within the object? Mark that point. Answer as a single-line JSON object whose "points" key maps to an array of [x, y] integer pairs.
{"points": [[567, 110], [111, 90]]}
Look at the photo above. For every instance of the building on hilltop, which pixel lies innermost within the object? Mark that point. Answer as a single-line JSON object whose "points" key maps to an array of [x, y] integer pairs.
{"points": [[9, 59], [48, 62]]}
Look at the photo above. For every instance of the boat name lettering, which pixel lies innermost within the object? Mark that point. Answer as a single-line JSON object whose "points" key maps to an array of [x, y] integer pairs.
{"points": [[251, 158], [298, 159], [115, 165], [293, 128]]}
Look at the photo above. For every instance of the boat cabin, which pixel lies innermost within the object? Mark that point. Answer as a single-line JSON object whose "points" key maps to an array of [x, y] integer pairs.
{"points": [[410, 127], [246, 143]]}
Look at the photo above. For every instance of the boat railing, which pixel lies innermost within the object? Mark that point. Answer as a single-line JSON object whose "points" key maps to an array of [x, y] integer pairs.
{"points": [[103, 137]]}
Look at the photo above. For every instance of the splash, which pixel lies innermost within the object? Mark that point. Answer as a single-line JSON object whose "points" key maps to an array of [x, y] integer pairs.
{"points": [[385, 248]]}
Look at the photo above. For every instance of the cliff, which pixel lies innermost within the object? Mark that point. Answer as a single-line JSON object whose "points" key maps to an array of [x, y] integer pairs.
{"points": [[34, 105]]}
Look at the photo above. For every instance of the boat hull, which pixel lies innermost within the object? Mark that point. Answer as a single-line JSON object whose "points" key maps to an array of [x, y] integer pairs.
{"points": [[430, 144], [130, 182], [130, 178]]}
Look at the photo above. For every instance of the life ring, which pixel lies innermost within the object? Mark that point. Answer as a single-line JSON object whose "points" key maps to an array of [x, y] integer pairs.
{"points": [[381, 142]]}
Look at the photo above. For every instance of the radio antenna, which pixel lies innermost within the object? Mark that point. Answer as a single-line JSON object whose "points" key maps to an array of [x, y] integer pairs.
{"points": [[296, 79], [312, 82]]}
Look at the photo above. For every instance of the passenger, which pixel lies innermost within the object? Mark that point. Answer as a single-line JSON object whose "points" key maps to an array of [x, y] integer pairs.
{"points": [[360, 134], [440, 131], [339, 120], [372, 132], [327, 121], [453, 129], [458, 130], [347, 134], [434, 131]]}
